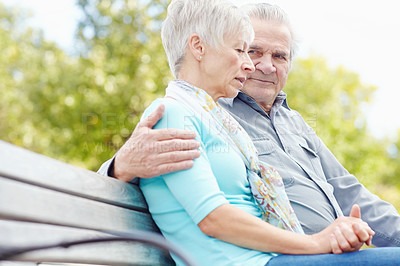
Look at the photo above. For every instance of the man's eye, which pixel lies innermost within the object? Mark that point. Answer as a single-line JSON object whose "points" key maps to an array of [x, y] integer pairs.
{"points": [[240, 51], [280, 56], [254, 53]]}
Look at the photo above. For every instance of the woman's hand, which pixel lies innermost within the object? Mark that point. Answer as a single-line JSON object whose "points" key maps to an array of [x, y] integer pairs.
{"points": [[231, 224], [346, 234]]}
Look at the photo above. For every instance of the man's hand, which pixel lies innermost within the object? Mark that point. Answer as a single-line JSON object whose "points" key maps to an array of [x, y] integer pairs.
{"points": [[151, 152], [345, 234], [351, 233]]}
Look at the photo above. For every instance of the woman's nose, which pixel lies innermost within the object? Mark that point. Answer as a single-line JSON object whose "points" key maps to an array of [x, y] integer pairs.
{"points": [[248, 65]]}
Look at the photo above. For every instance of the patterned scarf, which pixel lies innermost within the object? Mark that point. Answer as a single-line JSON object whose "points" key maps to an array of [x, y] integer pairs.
{"points": [[265, 182]]}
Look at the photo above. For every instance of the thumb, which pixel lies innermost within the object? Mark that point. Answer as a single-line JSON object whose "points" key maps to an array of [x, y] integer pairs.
{"points": [[355, 211], [153, 118]]}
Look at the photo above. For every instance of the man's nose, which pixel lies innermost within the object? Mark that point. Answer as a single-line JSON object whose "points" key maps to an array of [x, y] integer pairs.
{"points": [[265, 64]]}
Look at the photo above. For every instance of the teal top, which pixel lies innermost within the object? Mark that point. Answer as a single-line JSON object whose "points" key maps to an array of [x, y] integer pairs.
{"points": [[179, 201]]}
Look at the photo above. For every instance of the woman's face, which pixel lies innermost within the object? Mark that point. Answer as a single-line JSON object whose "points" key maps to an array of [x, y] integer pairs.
{"points": [[225, 70]]}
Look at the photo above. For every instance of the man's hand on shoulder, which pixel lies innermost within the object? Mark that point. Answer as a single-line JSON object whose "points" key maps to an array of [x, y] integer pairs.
{"points": [[151, 152]]}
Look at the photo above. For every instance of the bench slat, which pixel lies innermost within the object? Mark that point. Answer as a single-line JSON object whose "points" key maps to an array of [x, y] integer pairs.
{"points": [[20, 164], [45, 201], [21, 201], [24, 234]]}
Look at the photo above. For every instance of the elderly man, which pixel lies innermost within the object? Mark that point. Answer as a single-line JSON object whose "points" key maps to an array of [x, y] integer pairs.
{"points": [[319, 187]]}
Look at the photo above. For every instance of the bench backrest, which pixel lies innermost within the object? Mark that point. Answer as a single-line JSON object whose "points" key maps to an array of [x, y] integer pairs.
{"points": [[44, 202]]}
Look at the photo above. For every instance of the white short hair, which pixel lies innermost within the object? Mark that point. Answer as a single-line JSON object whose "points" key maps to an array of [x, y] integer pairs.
{"points": [[212, 20], [269, 12]]}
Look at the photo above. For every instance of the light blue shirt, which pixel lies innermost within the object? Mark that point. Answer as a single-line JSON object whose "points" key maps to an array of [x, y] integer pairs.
{"points": [[179, 201], [318, 186]]}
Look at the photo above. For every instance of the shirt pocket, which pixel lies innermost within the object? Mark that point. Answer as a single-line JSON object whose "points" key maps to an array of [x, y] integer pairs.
{"points": [[269, 153], [314, 160]]}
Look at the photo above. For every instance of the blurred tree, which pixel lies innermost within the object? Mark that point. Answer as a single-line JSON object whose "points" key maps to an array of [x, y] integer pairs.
{"points": [[330, 101], [124, 69], [36, 83], [81, 109]]}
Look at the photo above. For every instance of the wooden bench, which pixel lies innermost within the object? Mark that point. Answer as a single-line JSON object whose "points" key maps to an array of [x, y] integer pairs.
{"points": [[44, 203]]}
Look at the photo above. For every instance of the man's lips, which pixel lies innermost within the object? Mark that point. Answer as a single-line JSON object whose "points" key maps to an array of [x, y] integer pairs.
{"points": [[262, 80]]}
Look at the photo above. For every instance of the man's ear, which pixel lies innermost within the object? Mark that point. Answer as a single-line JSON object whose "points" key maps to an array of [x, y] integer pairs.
{"points": [[196, 46]]}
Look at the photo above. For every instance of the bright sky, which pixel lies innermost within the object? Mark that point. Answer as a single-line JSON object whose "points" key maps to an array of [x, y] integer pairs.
{"points": [[362, 35]]}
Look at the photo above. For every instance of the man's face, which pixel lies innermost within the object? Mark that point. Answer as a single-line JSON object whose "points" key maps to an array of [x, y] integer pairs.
{"points": [[270, 53]]}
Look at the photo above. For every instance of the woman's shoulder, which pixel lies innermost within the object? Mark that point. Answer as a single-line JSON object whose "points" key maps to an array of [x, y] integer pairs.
{"points": [[172, 107], [176, 115]]}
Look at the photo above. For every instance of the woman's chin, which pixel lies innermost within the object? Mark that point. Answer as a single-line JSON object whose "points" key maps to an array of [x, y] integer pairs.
{"points": [[232, 93]]}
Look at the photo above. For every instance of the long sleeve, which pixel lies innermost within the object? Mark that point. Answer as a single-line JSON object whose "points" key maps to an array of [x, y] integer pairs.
{"points": [[380, 215], [107, 167]]}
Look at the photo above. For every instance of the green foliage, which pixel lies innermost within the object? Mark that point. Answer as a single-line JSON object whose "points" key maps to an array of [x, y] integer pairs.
{"points": [[329, 100], [124, 68], [36, 81], [81, 109]]}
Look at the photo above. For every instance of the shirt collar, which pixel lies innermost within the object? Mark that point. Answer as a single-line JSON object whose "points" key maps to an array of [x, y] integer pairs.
{"points": [[281, 100]]}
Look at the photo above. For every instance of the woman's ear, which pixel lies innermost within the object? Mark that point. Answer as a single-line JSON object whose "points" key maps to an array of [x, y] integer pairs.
{"points": [[196, 46]]}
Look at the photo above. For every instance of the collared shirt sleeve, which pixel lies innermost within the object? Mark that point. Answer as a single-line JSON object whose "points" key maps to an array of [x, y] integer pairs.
{"points": [[381, 216], [107, 168]]}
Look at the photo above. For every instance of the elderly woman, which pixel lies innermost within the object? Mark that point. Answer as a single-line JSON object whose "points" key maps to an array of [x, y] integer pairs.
{"points": [[229, 208]]}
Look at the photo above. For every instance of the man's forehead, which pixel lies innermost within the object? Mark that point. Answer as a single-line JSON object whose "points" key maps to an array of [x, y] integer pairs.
{"points": [[264, 46], [262, 26], [270, 35]]}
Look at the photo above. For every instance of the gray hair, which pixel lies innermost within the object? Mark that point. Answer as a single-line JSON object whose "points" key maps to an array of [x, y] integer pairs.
{"points": [[212, 20], [265, 11]]}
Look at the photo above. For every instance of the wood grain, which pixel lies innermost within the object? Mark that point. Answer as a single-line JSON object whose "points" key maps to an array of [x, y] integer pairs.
{"points": [[20, 164]]}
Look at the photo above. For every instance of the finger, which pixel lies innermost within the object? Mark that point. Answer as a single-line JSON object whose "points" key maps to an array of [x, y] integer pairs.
{"points": [[177, 156], [171, 167], [369, 241], [350, 236], [342, 241], [172, 133], [367, 228], [361, 233], [174, 145], [355, 211], [371, 234], [334, 245], [370, 231], [153, 118]]}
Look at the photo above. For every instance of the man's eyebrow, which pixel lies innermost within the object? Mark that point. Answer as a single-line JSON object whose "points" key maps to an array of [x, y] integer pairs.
{"points": [[281, 52], [255, 47]]}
